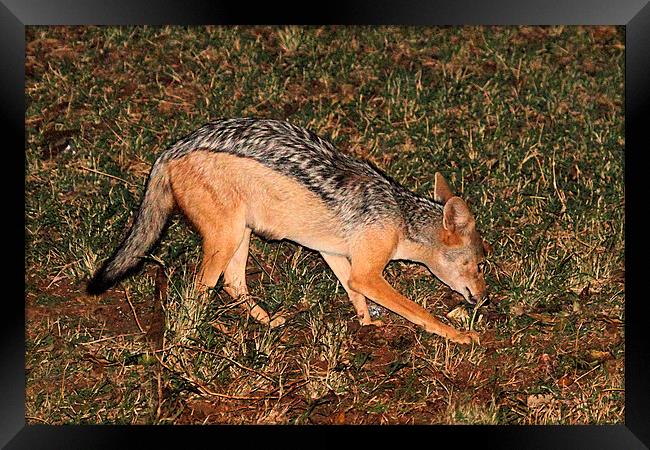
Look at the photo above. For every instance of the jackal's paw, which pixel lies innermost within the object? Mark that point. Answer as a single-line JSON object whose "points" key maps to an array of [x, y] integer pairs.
{"points": [[377, 323], [466, 337], [277, 321]]}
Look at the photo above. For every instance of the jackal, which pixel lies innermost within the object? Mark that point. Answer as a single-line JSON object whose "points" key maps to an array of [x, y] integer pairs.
{"points": [[236, 176]]}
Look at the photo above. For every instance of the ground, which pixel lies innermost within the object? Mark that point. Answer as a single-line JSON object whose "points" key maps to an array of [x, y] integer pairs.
{"points": [[527, 125]]}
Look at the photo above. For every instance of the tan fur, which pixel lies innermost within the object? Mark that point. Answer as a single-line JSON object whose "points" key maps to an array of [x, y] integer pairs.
{"points": [[270, 203], [226, 197]]}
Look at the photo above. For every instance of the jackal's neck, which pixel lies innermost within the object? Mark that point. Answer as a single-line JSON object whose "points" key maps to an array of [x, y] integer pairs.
{"points": [[421, 215]]}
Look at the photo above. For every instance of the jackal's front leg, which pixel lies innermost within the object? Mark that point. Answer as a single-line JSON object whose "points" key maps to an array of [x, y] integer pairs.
{"points": [[376, 288], [369, 258], [341, 268]]}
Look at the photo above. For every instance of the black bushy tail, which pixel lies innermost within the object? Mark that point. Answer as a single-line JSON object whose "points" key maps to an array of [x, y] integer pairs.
{"points": [[147, 227]]}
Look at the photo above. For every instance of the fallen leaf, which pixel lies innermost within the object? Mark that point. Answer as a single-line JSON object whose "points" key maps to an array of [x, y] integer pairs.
{"points": [[537, 400], [546, 319], [517, 310], [458, 314], [565, 381], [597, 355]]}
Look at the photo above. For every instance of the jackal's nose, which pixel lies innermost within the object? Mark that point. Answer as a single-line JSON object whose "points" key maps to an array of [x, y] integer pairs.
{"points": [[473, 298]]}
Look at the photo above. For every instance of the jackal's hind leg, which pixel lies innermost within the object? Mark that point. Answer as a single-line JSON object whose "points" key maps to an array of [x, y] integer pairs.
{"points": [[235, 284], [219, 246], [219, 220], [341, 268]]}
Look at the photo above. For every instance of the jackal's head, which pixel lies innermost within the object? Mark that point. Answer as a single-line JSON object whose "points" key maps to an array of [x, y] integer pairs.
{"points": [[458, 257]]}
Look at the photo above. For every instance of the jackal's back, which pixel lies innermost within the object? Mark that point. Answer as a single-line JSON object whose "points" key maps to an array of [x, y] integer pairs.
{"points": [[358, 191]]}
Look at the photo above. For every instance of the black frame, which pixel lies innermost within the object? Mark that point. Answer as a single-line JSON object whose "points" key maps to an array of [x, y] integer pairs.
{"points": [[634, 14]]}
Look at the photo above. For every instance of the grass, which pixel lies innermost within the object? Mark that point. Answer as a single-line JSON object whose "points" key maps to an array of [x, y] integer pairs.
{"points": [[527, 125]]}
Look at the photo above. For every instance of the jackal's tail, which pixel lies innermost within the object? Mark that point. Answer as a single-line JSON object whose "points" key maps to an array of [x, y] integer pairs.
{"points": [[147, 227]]}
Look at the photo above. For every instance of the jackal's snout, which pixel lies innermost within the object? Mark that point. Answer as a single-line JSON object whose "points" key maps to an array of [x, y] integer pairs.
{"points": [[475, 296]]}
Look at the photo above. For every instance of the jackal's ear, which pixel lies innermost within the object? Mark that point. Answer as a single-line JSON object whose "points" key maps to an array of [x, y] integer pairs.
{"points": [[441, 190], [456, 217]]}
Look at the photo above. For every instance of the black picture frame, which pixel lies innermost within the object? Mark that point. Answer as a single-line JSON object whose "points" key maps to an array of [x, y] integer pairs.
{"points": [[633, 14]]}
